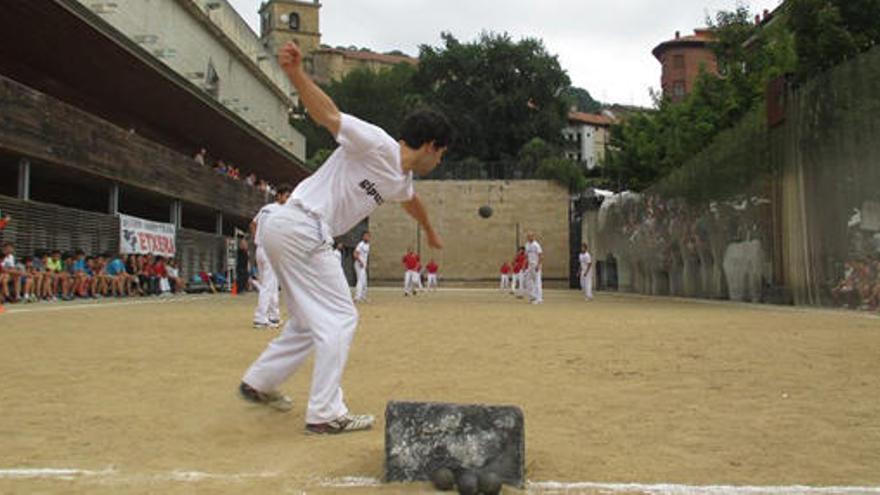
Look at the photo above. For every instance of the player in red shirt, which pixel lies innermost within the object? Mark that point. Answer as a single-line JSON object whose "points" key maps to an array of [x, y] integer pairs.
{"points": [[519, 268], [505, 276], [411, 263], [432, 275]]}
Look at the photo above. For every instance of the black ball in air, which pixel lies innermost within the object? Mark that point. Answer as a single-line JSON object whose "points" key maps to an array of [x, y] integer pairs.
{"points": [[485, 211]]}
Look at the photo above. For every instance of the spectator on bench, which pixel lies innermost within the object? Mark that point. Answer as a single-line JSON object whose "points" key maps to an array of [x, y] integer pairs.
{"points": [[115, 270], [178, 284], [60, 278], [12, 275]]}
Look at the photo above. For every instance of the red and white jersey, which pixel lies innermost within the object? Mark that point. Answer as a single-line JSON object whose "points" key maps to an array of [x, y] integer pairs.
{"points": [[505, 269], [432, 267], [411, 261]]}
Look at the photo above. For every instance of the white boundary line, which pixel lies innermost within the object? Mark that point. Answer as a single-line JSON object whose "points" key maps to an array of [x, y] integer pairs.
{"points": [[100, 304], [366, 482], [674, 489]]}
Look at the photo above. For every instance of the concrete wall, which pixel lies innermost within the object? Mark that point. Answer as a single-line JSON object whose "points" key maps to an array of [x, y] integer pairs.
{"points": [[474, 247], [186, 36]]}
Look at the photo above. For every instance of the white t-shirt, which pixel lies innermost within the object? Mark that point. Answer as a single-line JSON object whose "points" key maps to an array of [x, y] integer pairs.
{"points": [[262, 215], [585, 260], [9, 262], [363, 252], [533, 252], [361, 174]]}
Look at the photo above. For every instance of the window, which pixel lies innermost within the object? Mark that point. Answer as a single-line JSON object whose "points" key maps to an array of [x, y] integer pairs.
{"points": [[212, 80], [678, 89], [293, 21], [678, 62]]}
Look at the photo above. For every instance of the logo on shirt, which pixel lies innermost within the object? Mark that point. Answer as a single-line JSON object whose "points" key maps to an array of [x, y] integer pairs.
{"points": [[370, 189]]}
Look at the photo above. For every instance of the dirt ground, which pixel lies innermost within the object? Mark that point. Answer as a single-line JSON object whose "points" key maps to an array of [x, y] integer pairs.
{"points": [[140, 397]]}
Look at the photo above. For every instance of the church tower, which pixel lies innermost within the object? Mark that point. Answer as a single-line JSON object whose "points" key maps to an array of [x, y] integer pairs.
{"points": [[291, 20]]}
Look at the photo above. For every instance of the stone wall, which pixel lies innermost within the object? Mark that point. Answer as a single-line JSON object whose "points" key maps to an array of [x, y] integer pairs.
{"points": [[474, 247]]}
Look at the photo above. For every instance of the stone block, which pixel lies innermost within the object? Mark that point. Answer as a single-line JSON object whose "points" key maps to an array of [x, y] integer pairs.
{"points": [[422, 437]]}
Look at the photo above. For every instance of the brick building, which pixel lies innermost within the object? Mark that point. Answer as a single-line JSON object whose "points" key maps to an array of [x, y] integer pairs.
{"points": [[682, 59]]}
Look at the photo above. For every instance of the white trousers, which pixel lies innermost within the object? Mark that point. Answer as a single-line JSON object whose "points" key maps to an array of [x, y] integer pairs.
{"points": [[322, 315], [267, 302], [411, 281], [587, 284], [518, 283], [360, 290], [534, 285], [432, 281], [505, 281]]}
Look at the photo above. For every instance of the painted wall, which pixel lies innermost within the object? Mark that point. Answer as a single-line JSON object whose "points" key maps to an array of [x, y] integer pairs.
{"points": [[474, 247]]}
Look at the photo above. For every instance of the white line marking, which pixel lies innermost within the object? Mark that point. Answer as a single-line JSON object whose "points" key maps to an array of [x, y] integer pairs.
{"points": [[66, 474], [351, 482], [531, 487], [102, 304], [672, 489]]}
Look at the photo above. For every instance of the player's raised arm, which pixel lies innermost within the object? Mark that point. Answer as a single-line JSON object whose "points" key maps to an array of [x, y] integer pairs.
{"points": [[321, 107]]}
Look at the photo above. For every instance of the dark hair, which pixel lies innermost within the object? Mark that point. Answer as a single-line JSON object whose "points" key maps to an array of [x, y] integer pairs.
{"points": [[426, 126], [283, 188]]}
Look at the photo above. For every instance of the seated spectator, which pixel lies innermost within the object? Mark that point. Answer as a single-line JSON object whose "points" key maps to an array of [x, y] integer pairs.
{"points": [[178, 284], [207, 279], [251, 179], [162, 276], [147, 275], [4, 219], [115, 270], [132, 271], [26, 267], [200, 156], [70, 268], [12, 280], [84, 275], [60, 279]]}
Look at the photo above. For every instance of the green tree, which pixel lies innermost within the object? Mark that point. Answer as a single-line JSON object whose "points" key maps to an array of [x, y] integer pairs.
{"points": [[382, 98], [828, 32], [581, 99], [499, 94]]}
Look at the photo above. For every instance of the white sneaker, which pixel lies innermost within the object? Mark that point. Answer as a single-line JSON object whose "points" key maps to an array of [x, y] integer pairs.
{"points": [[343, 424]]}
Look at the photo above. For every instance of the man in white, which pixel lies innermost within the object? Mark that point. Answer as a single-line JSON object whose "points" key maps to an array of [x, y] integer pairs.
{"points": [[267, 314], [586, 272], [535, 256], [367, 169], [361, 258]]}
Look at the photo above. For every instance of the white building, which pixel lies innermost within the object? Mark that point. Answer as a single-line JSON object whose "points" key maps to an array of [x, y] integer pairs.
{"points": [[587, 136], [208, 43]]}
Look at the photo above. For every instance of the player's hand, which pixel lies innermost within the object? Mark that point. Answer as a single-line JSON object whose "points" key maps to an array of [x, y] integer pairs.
{"points": [[290, 57], [434, 240]]}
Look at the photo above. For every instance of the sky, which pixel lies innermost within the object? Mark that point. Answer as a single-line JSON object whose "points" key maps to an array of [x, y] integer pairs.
{"points": [[604, 45]]}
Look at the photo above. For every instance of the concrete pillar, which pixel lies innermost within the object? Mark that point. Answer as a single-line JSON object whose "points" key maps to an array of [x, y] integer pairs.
{"points": [[24, 179], [219, 229], [113, 200], [176, 213]]}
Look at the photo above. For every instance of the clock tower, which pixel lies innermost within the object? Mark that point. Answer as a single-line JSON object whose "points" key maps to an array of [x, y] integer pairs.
{"points": [[291, 20]]}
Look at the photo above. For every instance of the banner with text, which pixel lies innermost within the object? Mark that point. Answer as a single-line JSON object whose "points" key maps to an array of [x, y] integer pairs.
{"points": [[139, 236]]}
